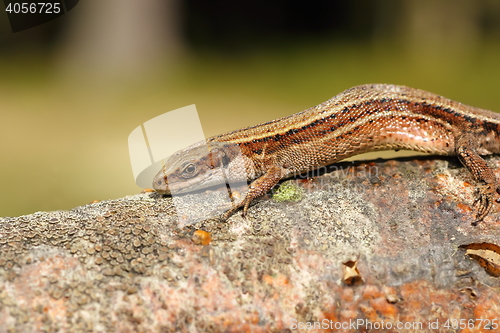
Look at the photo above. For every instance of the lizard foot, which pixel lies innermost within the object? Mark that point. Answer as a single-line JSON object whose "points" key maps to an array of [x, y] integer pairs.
{"points": [[484, 201]]}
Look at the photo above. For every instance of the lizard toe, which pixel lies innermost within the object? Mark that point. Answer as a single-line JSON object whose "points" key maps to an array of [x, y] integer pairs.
{"points": [[484, 201]]}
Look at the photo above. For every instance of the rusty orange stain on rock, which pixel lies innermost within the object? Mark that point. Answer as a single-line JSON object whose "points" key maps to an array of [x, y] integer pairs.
{"points": [[371, 292], [386, 309], [463, 207], [369, 312], [488, 308], [201, 237], [276, 281], [442, 177]]}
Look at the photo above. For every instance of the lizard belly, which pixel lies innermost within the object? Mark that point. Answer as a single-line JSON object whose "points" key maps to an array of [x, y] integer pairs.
{"points": [[394, 133], [432, 137]]}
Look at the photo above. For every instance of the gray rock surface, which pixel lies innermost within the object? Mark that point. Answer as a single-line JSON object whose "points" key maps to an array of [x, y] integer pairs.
{"points": [[379, 242]]}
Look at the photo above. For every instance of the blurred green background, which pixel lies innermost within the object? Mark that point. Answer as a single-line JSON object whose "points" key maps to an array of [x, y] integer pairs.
{"points": [[73, 89]]}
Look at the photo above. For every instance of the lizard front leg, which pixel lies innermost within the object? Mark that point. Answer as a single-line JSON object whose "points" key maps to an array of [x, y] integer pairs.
{"points": [[258, 188], [466, 151]]}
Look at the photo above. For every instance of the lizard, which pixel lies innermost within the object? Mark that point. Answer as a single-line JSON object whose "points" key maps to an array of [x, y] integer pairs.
{"points": [[361, 119]]}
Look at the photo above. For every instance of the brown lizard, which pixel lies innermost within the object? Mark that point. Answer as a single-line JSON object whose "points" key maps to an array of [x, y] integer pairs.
{"points": [[361, 119]]}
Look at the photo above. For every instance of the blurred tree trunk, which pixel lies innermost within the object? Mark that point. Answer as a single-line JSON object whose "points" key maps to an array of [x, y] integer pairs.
{"points": [[118, 38], [431, 26], [444, 23]]}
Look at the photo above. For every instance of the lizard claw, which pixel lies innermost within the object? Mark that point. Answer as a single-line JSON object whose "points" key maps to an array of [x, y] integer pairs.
{"points": [[245, 203], [483, 202]]}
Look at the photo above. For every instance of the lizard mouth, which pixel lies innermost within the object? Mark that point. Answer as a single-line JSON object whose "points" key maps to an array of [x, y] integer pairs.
{"points": [[160, 184]]}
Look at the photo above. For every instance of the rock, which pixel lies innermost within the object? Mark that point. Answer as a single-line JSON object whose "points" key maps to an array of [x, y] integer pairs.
{"points": [[372, 243]]}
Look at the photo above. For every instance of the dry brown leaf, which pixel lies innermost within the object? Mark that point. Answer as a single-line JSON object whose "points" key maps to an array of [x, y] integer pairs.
{"points": [[487, 255]]}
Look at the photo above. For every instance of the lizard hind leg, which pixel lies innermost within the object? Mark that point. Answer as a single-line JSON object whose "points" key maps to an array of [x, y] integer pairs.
{"points": [[482, 173]]}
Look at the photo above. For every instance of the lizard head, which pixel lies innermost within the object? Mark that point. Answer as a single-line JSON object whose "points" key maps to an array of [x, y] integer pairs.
{"points": [[199, 166]]}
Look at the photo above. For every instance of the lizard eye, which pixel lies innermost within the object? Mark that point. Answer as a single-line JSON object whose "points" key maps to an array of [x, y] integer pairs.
{"points": [[189, 169]]}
